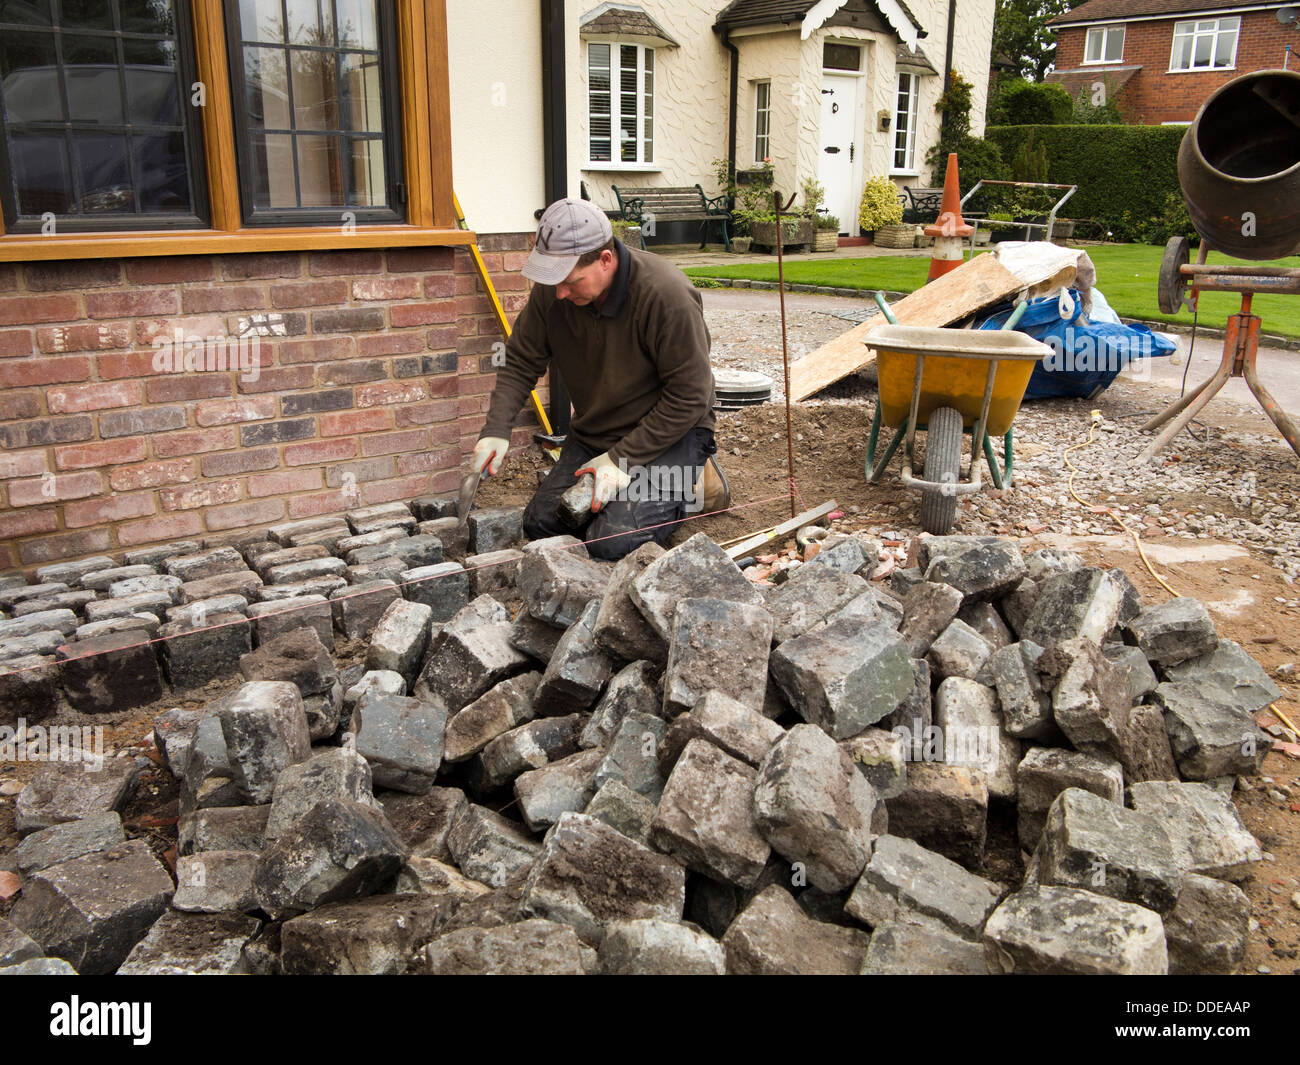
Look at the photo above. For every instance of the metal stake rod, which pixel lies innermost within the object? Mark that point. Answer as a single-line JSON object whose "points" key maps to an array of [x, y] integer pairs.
{"points": [[785, 349]]}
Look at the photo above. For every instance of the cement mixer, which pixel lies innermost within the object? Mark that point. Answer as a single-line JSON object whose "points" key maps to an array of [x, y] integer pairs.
{"points": [[1239, 168]]}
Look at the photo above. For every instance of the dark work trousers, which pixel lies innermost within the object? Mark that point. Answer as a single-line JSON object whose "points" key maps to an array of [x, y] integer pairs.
{"points": [[654, 504]]}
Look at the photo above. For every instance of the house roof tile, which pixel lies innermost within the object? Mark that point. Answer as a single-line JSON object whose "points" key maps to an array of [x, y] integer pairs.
{"points": [[1118, 10], [917, 60], [1077, 81], [755, 12], [627, 21], [760, 12]]}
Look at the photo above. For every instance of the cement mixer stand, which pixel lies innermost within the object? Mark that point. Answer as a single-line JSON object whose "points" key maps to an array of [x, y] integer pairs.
{"points": [[1240, 340]]}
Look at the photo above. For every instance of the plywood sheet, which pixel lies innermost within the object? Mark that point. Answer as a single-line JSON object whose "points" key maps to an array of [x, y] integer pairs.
{"points": [[976, 284]]}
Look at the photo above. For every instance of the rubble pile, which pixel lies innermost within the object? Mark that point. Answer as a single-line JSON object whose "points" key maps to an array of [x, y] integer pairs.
{"points": [[552, 764]]}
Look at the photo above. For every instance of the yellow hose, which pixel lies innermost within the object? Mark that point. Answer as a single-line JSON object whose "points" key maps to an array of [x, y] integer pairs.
{"points": [[1137, 542]]}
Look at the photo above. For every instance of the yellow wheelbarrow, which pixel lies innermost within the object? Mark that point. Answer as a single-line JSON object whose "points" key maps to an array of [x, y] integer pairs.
{"points": [[947, 381]]}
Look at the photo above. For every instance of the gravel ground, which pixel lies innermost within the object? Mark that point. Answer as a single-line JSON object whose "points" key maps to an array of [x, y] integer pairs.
{"points": [[1240, 486]]}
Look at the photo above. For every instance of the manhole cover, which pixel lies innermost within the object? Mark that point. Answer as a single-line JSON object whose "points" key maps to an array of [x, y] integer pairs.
{"points": [[740, 388]]}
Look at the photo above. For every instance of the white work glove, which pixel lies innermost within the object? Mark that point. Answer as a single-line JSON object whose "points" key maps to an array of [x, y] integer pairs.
{"points": [[489, 451], [610, 480]]}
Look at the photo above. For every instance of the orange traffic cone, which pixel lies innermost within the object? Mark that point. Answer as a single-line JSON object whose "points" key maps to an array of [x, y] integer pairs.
{"points": [[950, 229]]}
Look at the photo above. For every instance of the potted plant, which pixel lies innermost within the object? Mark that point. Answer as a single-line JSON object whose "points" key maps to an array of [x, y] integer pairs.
{"points": [[828, 233], [740, 245], [902, 235], [1062, 229], [795, 231], [824, 235], [879, 206], [627, 232], [1001, 233], [753, 214]]}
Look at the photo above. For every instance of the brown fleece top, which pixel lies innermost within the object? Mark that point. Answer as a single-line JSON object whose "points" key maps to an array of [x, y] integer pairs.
{"points": [[637, 368]]}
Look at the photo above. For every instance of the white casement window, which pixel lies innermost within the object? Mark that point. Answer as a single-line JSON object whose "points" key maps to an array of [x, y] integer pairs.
{"points": [[1207, 44], [909, 86], [762, 120], [1105, 44], [620, 103]]}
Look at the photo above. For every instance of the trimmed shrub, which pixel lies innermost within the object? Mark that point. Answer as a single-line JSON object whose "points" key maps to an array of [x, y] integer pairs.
{"points": [[1030, 103], [880, 206], [1125, 174]]}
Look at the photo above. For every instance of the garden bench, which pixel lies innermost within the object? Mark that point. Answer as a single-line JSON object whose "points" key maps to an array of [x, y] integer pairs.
{"points": [[921, 206], [646, 207]]}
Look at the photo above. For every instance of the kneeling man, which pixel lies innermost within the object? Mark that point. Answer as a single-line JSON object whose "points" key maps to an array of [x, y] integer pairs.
{"points": [[626, 331]]}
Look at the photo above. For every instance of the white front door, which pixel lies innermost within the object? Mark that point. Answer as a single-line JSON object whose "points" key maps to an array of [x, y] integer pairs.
{"points": [[838, 150]]}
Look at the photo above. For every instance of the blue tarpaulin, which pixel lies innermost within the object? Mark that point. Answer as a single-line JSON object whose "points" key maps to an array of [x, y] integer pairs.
{"points": [[1088, 353]]}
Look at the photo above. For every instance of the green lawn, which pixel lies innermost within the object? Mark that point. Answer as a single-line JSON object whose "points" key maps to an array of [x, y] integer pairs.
{"points": [[1126, 273]]}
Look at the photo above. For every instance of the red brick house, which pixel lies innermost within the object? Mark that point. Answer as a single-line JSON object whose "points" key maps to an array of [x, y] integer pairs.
{"points": [[182, 178], [233, 291], [1160, 59]]}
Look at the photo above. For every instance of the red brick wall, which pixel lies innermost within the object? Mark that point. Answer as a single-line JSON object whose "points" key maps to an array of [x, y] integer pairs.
{"points": [[374, 393], [1153, 95]]}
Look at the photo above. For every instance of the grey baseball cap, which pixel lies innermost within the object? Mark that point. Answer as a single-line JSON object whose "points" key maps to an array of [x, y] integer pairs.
{"points": [[568, 229]]}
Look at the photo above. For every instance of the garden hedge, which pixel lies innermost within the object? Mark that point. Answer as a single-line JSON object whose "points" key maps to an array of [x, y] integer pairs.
{"points": [[1125, 174]]}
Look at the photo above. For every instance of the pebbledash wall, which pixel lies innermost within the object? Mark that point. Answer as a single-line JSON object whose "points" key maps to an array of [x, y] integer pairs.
{"points": [[1155, 94], [372, 377]]}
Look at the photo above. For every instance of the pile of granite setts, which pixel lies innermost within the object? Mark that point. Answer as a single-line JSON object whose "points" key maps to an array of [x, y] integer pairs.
{"points": [[553, 764]]}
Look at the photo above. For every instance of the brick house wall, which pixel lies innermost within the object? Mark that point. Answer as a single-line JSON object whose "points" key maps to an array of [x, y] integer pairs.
{"points": [[1154, 95], [371, 382]]}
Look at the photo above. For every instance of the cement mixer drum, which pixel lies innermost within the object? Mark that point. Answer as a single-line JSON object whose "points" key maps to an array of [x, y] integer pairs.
{"points": [[1239, 166]]}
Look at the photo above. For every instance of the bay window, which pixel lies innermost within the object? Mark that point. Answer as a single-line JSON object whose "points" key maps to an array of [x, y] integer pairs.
{"points": [[620, 103], [150, 127], [98, 130]]}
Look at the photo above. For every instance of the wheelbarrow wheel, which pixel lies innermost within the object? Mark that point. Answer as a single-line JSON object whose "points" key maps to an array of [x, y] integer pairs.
{"points": [[943, 464]]}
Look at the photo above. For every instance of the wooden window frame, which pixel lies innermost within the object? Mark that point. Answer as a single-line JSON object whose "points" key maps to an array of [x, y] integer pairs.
{"points": [[763, 117], [392, 211], [913, 115], [426, 156]]}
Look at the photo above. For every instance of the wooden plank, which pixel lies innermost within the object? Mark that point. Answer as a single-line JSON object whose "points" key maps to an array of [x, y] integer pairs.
{"points": [[416, 151], [218, 125], [33, 247], [439, 89], [978, 283], [797, 522]]}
